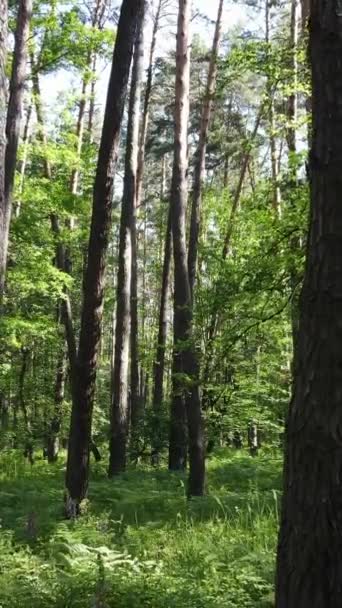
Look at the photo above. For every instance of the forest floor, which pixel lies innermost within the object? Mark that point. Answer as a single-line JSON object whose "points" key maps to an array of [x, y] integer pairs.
{"points": [[140, 543]]}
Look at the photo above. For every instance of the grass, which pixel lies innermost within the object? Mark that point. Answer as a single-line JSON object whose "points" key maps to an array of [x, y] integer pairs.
{"points": [[140, 543]]}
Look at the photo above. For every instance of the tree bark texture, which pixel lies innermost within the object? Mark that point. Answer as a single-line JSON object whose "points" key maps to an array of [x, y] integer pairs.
{"points": [[119, 414], [136, 395], [309, 572], [185, 368], [91, 318]]}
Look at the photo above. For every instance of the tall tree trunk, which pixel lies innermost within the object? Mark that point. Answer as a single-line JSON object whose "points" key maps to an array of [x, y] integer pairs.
{"points": [[276, 195], [123, 337], [146, 108], [16, 97], [292, 100], [77, 473], [310, 539], [14, 114], [3, 106], [159, 363], [54, 428], [136, 395], [23, 162], [28, 449], [92, 99], [185, 357], [79, 136], [199, 169], [291, 137]]}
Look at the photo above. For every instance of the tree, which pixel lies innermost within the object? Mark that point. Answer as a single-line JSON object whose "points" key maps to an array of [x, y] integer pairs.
{"points": [[84, 383], [199, 169], [126, 269], [159, 362], [310, 542], [3, 105], [185, 367]]}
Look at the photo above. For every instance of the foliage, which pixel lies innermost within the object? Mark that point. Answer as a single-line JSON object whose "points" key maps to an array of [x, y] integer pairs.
{"points": [[139, 543]]}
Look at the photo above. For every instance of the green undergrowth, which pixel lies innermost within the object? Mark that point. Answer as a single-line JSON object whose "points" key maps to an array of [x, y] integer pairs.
{"points": [[139, 542]]}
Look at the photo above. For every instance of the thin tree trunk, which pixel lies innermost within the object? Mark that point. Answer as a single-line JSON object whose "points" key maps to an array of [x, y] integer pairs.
{"points": [[16, 97], [147, 98], [276, 195], [292, 100], [77, 473], [23, 162], [28, 449], [92, 99], [310, 540], [136, 395], [199, 169], [54, 429], [159, 363], [74, 179], [292, 168], [185, 356], [120, 403], [3, 106], [14, 114]]}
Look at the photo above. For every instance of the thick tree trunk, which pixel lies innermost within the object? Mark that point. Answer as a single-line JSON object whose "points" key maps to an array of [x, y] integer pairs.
{"points": [[159, 363], [185, 372], [91, 319], [123, 337], [199, 169], [310, 538]]}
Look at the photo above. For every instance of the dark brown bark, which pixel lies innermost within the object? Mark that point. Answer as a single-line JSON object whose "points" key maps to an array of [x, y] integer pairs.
{"points": [[91, 319], [123, 338], [310, 538], [3, 106], [185, 369], [159, 363], [199, 169]]}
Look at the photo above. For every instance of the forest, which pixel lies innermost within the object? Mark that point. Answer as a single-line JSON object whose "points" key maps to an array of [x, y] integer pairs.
{"points": [[170, 304]]}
